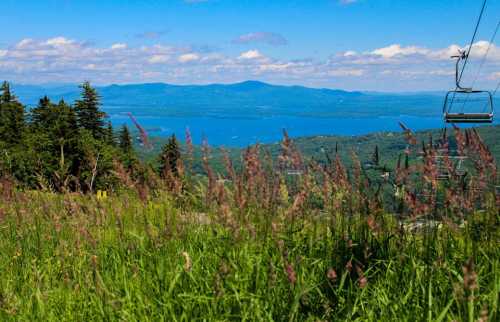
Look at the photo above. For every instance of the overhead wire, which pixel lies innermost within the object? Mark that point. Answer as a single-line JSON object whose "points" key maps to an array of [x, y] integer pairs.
{"points": [[483, 60], [472, 40], [469, 50]]}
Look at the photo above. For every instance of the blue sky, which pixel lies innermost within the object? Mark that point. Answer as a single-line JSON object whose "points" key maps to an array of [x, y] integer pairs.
{"points": [[352, 44]]}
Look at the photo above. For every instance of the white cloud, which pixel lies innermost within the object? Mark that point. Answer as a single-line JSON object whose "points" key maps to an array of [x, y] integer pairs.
{"points": [[276, 67], [59, 42], [349, 53], [391, 67], [159, 59], [24, 43], [251, 54], [346, 72], [396, 50], [119, 46], [186, 58]]}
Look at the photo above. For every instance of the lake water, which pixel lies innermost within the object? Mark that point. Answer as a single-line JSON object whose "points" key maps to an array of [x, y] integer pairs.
{"points": [[241, 132]]}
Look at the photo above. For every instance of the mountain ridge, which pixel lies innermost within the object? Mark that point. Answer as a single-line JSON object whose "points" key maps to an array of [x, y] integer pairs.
{"points": [[242, 98]]}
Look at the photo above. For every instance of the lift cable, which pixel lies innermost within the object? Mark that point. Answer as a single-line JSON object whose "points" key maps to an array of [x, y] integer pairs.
{"points": [[472, 40], [486, 53], [496, 89], [466, 56], [483, 60]]}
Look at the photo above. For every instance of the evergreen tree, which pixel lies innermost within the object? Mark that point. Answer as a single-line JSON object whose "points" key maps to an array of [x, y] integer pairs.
{"points": [[169, 156], [40, 115], [126, 147], [87, 110], [125, 140], [54, 143], [6, 96], [109, 137], [376, 157], [12, 122]]}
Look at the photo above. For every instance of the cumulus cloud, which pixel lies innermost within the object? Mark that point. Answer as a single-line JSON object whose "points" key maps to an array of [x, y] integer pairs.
{"points": [[159, 59], [269, 38], [186, 58], [251, 54], [118, 46], [396, 50], [390, 67]]}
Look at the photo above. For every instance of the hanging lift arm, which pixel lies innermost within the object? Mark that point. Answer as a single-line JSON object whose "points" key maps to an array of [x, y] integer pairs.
{"points": [[461, 56]]}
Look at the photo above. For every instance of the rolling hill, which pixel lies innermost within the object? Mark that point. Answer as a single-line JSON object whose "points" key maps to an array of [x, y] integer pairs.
{"points": [[243, 99]]}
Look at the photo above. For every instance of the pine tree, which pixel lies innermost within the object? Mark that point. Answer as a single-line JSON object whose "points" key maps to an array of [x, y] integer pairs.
{"points": [[54, 142], [125, 140], [12, 122], [87, 110], [169, 157], [376, 157], [126, 147], [6, 96], [40, 115], [109, 137]]}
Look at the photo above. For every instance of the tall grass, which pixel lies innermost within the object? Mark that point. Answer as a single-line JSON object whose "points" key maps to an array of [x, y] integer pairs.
{"points": [[286, 239]]}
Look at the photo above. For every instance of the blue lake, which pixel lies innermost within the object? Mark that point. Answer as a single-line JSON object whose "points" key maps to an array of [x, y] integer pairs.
{"points": [[240, 132]]}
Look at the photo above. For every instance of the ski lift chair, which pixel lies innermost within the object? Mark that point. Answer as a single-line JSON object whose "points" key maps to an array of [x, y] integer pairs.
{"points": [[482, 115], [485, 116]]}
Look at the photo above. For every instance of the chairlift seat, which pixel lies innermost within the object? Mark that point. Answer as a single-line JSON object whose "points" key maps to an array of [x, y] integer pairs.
{"points": [[468, 117], [459, 117]]}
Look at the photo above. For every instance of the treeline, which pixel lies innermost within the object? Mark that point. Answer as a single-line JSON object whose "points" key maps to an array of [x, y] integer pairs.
{"points": [[71, 147]]}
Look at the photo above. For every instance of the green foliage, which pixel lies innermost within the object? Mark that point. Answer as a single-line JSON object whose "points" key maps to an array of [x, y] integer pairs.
{"points": [[88, 113], [169, 157], [125, 140], [11, 118], [109, 136], [60, 147], [125, 145]]}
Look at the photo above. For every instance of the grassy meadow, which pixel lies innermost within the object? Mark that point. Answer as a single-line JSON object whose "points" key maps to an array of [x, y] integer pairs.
{"points": [[275, 239]]}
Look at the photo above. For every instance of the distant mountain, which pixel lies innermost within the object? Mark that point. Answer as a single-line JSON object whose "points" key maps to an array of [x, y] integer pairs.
{"points": [[250, 98]]}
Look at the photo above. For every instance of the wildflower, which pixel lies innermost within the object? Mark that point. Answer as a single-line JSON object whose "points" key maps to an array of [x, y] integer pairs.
{"points": [[290, 273], [93, 261], [362, 282], [470, 276], [283, 192], [372, 224], [101, 195], [189, 142], [410, 138], [348, 266], [483, 315], [188, 264], [331, 275]]}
